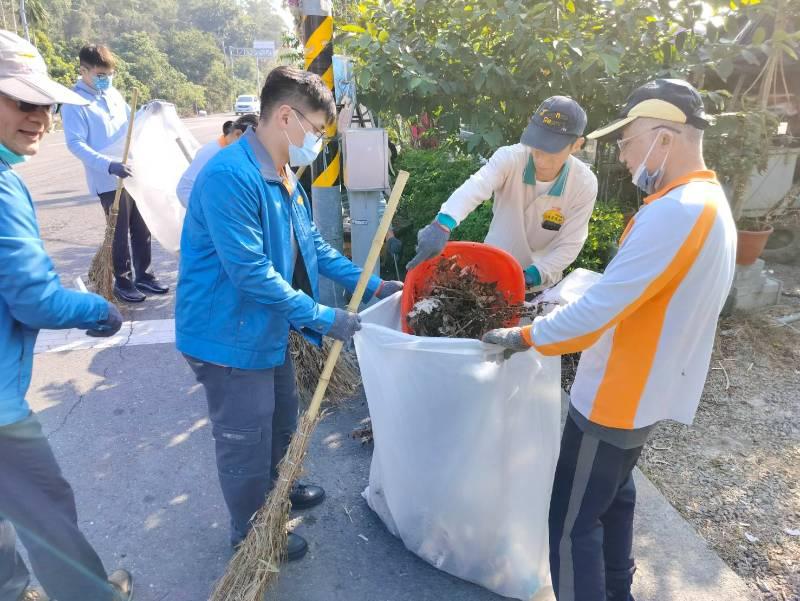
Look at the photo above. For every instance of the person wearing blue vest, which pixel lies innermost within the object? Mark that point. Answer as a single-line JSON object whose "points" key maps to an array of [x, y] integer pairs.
{"points": [[250, 263], [35, 499], [88, 130]]}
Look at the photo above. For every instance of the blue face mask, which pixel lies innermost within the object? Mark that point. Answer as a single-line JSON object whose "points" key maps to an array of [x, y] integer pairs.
{"points": [[101, 83], [11, 157], [644, 180], [305, 154]]}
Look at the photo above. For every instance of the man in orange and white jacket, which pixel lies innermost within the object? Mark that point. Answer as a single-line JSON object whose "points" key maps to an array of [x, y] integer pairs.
{"points": [[646, 329]]}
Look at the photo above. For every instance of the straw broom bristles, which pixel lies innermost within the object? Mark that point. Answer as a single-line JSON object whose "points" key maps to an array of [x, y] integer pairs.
{"points": [[101, 271], [256, 563], [309, 360]]}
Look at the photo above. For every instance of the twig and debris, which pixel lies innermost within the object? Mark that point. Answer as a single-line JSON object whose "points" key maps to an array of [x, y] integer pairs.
{"points": [[363, 433], [456, 303]]}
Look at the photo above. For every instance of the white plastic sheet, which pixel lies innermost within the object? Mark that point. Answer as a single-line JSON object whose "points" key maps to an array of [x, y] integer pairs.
{"points": [[465, 451], [158, 163]]}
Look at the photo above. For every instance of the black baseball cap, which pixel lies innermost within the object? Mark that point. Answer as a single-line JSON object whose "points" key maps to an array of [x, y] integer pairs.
{"points": [[556, 124], [666, 99]]}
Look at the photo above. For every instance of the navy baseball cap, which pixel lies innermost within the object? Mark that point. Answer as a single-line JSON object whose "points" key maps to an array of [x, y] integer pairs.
{"points": [[666, 99], [556, 124]]}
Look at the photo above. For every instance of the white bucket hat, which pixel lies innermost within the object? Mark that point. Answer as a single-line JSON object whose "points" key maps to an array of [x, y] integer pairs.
{"points": [[23, 74]]}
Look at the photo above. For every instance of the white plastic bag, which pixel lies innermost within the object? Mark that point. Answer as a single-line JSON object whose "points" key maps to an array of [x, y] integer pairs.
{"points": [[465, 451], [158, 163]]}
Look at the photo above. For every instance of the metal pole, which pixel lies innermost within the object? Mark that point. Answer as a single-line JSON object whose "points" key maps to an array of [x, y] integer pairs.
{"points": [[326, 194], [24, 20]]}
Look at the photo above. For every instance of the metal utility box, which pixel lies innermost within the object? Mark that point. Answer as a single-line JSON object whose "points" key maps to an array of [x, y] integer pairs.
{"points": [[366, 159]]}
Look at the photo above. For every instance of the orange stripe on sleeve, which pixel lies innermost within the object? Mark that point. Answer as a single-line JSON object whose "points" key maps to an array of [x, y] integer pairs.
{"points": [[680, 263], [636, 339]]}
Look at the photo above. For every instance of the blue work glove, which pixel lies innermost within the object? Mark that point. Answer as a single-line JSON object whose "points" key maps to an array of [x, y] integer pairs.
{"points": [[532, 276], [510, 338], [120, 170], [109, 326], [388, 288], [432, 239], [345, 324]]}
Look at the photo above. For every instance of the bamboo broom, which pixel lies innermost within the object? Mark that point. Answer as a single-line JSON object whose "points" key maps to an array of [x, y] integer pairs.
{"points": [[255, 566], [101, 272]]}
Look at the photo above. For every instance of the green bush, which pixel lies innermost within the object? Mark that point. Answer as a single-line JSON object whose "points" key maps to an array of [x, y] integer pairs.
{"points": [[436, 173], [605, 227]]}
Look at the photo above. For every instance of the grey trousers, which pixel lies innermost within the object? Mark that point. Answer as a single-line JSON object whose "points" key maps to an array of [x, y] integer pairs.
{"points": [[253, 415], [37, 502]]}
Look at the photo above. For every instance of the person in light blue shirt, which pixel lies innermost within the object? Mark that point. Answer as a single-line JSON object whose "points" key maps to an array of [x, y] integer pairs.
{"points": [[88, 131], [36, 501], [231, 132]]}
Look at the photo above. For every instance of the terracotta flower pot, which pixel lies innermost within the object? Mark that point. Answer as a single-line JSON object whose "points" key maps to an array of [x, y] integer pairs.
{"points": [[751, 245]]}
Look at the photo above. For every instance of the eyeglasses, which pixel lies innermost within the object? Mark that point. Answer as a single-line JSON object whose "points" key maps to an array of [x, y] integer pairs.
{"points": [[622, 143], [320, 134], [29, 107]]}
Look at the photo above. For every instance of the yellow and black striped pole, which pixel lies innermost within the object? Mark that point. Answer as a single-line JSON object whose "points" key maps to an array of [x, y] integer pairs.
{"points": [[326, 196]]}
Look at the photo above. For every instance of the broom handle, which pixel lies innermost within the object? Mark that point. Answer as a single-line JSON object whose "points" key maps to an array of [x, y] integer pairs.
{"points": [[355, 301], [118, 194]]}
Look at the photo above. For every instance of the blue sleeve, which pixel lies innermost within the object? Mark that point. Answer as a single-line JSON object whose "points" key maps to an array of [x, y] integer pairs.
{"points": [[335, 266], [232, 219], [28, 282], [76, 134]]}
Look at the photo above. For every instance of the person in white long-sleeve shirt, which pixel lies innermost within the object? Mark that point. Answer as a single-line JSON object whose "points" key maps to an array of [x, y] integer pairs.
{"points": [[231, 132], [543, 197]]}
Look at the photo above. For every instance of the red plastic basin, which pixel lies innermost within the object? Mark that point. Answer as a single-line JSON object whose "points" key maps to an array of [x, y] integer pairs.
{"points": [[491, 265]]}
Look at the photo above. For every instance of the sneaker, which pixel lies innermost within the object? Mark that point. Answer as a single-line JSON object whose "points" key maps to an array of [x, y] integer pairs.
{"points": [[122, 581], [33, 593], [128, 295], [149, 283]]}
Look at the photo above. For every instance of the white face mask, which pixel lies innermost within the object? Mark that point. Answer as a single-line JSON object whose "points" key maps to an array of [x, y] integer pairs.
{"points": [[300, 156], [648, 182]]}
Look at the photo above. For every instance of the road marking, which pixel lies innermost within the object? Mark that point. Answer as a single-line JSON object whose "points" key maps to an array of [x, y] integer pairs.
{"points": [[132, 333]]}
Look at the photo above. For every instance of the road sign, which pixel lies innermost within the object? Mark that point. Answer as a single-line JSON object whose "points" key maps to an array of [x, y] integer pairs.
{"points": [[264, 44], [257, 52]]}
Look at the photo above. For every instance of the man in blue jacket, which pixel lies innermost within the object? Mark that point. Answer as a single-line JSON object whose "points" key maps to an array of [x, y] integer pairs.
{"points": [[35, 499], [88, 131], [251, 258]]}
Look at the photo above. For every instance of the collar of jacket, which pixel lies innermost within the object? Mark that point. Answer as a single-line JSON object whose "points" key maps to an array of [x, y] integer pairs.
{"points": [[694, 176], [82, 86], [557, 189], [260, 156]]}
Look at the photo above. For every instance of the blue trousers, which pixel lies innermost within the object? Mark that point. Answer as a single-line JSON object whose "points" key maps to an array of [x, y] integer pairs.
{"points": [[253, 415], [591, 519], [37, 502]]}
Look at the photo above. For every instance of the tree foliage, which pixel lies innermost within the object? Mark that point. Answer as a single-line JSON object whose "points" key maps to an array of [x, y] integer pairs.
{"points": [[486, 64]]}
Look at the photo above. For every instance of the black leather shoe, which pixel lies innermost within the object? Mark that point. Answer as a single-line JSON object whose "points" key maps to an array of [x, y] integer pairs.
{"points": [[296, 547], [128, 295], [306, 496], [152, 285]]}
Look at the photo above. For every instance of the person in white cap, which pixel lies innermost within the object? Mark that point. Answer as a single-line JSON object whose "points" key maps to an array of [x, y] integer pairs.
{"points": [[646, 330], [35, 499]]}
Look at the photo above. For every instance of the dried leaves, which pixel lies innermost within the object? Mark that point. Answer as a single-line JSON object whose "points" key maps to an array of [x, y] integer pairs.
{"points": [[457, 304]]}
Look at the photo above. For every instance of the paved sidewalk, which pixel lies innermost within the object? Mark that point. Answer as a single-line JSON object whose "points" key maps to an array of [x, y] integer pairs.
{"points": [[129, 426]]}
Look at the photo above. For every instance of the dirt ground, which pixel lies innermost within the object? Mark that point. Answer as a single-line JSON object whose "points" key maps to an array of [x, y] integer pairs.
{"points": [[735, 473]]}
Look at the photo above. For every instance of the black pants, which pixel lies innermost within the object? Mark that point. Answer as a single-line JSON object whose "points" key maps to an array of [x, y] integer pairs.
{"points": [[253, 415], [591, 519], [37, 500], [129, 221]]}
